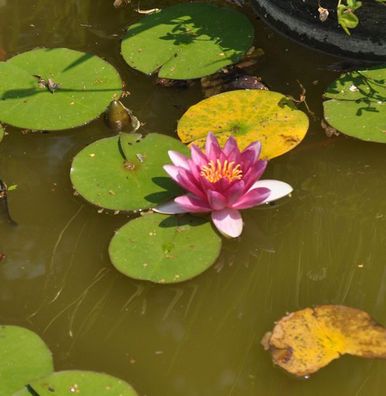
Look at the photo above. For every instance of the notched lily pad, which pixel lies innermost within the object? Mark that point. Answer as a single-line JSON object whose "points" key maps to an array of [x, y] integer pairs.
{"points": [[186, 41], [165, 249], [266, 116], [85, 383], [52, 89], [304, 341], [126, 141], [122, 173], [24, 357], [357, 104]]}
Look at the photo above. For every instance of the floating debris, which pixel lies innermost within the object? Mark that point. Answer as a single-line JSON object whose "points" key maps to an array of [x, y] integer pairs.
{"points": [[323, 14], [120, 118], [50, 84]]}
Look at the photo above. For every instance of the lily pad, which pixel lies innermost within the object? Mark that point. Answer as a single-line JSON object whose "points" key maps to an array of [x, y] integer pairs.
{"points": [[85, 383], [266, 116], [164, 249], [126, 175], [24, 357], [304, 341], [357, 104], [186, 41], [51, 89], [2, 132]]}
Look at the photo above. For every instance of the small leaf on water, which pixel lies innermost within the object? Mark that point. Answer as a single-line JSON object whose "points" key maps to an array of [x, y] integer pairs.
{"points": [[85, 383], [131, 168], [304, 341], [266, 116], [24, 357], [356, 104], [165, 249], [187, 41]]}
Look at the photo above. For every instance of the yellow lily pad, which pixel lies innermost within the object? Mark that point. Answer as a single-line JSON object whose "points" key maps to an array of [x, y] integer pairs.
{"points": [[248, 115], [304, 341]]}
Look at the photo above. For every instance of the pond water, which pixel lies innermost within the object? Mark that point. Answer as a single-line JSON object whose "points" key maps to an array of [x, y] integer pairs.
{"points": [[326, 244]]}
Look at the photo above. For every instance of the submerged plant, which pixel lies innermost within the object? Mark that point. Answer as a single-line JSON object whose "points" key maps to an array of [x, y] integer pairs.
{"points": [[221, 182]]}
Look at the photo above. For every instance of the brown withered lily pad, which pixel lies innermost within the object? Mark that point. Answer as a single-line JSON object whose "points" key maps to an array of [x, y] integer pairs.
{"points": [[304, 341]]}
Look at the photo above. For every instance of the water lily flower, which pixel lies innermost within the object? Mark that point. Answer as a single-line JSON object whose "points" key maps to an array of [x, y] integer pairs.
{"points": [[221, 182]]}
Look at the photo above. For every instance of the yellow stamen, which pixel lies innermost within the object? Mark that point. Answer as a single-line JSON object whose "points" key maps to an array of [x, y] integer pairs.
{"points": [[214, 171]]}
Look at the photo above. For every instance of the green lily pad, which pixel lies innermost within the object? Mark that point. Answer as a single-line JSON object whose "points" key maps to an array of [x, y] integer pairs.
{"points": [[186, 41], [87, 84], [24, 357], [84, 383], [357, 104], [126, 175], [165, 249], [2, 132], [248, 115]]}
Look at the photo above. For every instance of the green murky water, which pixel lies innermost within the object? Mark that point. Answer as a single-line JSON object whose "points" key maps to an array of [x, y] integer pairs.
{"points": [[201, 338]]}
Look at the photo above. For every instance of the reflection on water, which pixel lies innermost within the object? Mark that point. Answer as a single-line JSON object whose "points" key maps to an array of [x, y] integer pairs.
{"points": [[326, 244]]}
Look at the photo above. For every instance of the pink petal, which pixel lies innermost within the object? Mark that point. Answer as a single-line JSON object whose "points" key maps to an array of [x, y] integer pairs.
{"points": [[170, 207], [172, 171], [234, 192], [192, 204], [252, 198], [179, 159], [205, 184], [278, 189], [212, 148], [231, 149], [235, 157], [198, 157], [187, 181], [221, 185], [228, 222], [216, 200], [250, 154], [195, 170], [254, 173], [184, 179]]}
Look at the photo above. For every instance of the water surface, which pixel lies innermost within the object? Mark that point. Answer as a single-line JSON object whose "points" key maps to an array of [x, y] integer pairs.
{"points": [[326, 244]]}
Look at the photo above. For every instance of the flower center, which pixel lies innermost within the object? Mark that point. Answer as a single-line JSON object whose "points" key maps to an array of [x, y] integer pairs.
{"points": [[214, 171]]}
